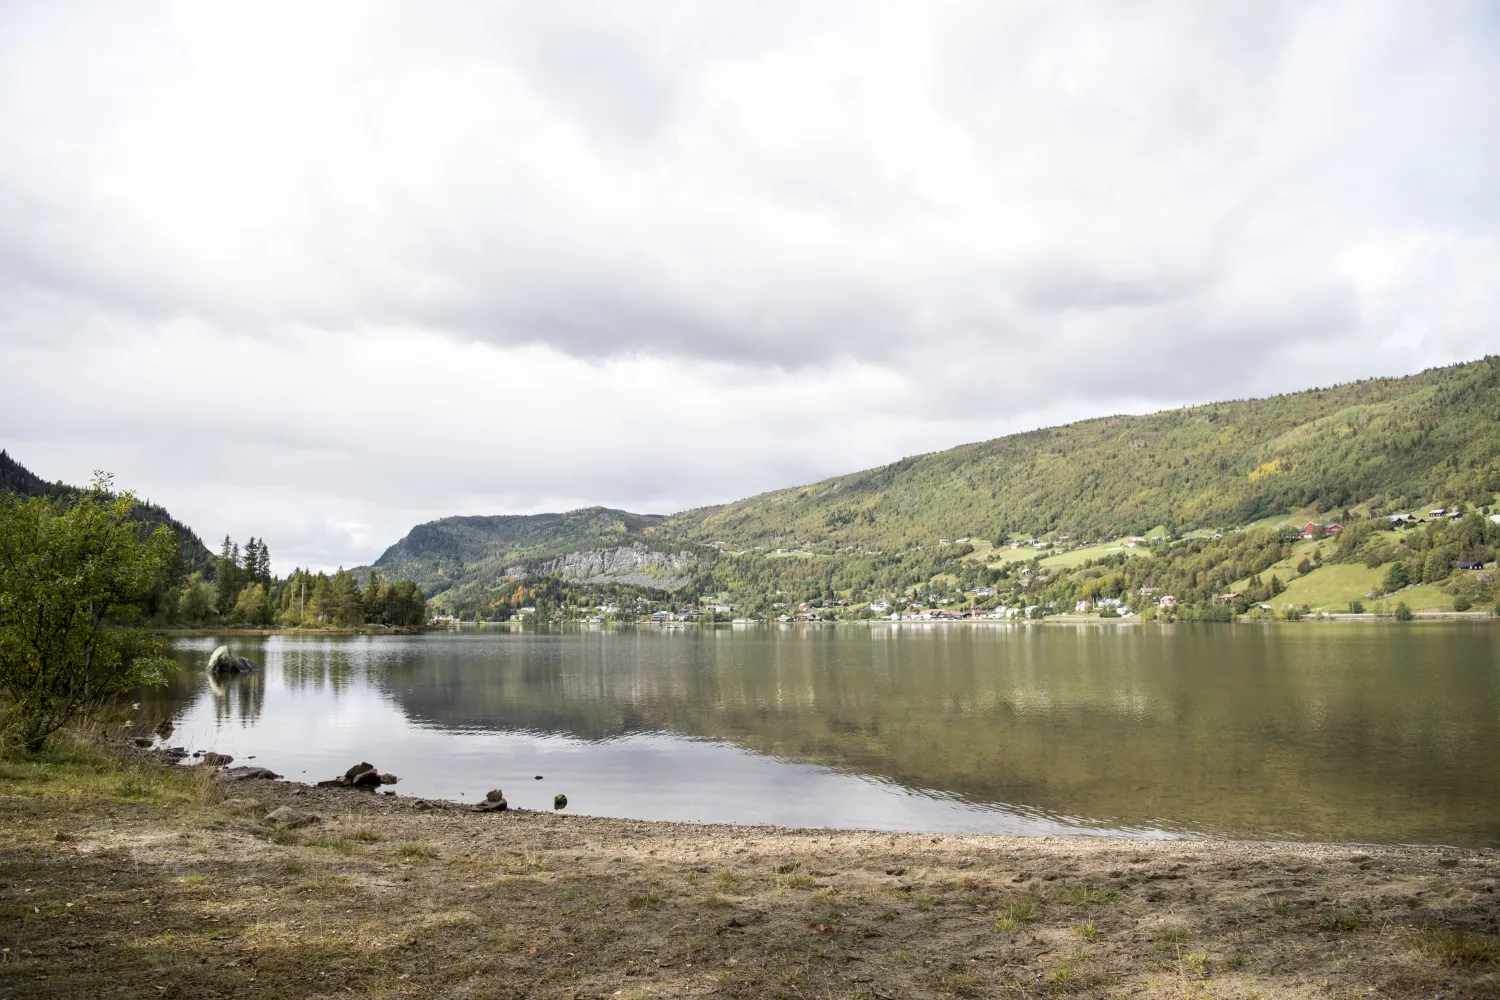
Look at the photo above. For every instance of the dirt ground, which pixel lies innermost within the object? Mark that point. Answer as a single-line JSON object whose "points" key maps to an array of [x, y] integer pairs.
{"points": [[140, 885]]}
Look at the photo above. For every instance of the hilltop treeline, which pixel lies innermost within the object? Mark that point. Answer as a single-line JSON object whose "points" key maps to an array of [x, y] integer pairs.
{"points": [[192, 554], [1386, 442]]}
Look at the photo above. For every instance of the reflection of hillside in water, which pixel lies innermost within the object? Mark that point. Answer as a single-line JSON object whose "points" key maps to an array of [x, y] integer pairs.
{"points": [[1329, 731], [1326, 732]]}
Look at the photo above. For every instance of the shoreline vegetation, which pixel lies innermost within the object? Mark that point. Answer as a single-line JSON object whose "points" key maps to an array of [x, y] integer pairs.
{"points": [[121, 870]]}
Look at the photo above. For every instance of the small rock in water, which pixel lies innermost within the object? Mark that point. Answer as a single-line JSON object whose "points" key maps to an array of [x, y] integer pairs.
{"points": [[287, 818], [389, 779], [559, 801], [217, 759], [539, 777]]}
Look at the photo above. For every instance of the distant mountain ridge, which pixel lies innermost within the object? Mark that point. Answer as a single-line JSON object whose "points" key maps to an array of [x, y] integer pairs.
{"points": [[16, 478], [1430, 436]]}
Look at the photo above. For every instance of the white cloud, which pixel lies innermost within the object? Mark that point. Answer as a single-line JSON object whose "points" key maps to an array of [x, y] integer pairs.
{"points": [[319, 271]]}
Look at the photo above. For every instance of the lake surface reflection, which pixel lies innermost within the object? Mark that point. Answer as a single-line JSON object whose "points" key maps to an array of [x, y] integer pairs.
{"points": [[1350, 732]]}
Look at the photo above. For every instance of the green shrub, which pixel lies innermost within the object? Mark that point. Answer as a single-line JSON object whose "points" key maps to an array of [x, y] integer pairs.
{"points": [[1462, 603], [1403, 613], [1356, 607], [75, 579]]}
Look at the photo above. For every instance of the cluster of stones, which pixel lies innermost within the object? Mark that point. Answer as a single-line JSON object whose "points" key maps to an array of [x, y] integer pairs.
{"points": [[362, 775]]}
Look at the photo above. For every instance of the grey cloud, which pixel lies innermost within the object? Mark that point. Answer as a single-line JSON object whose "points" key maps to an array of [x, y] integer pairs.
{"points": [[526, 242]]}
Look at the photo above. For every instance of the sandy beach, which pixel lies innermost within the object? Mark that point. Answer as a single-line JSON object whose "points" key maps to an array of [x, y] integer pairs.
{"points": [[127, 878]]}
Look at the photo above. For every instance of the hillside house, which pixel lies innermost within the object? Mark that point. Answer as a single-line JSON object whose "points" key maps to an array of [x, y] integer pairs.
{"points": [[1167, 601], [1470, 564], [1227, 598]]}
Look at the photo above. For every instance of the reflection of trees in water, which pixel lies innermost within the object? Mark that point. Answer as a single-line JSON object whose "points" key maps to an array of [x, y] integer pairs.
{"points": [[316, 667], [240, 698], [1250, 731]]}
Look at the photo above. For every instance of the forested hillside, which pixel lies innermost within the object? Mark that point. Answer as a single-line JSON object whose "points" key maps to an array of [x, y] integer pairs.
{"points": [[1393, 441], [1353, 451], [195, 556]]}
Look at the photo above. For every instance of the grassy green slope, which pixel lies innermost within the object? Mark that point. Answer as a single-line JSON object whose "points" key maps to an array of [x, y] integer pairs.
{"points": [[1432, 435]]}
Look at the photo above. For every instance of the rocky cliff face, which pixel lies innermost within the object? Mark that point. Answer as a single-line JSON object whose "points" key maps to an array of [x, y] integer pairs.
{"points": [[632, 565]]}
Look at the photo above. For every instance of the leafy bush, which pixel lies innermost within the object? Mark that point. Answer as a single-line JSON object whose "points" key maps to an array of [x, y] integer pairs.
{"points": [[1462, 603], [1356, 607], [1403, 613], [76, 575]]}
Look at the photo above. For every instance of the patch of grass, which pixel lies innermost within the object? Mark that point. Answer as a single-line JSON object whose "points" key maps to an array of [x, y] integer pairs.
{"points": [[643, 901], [285, 838], [341, 844], [827, 917], [132, 788], [364, 835], [1020, 910], [1197, 963], [717, 901], [821, 895], [1087, 931], [1453, 946], [1171, 935], [796, 881], [1340, 920], [728, 881], [414, 852], [964, 984], [1086, 896], [1281, 907]]}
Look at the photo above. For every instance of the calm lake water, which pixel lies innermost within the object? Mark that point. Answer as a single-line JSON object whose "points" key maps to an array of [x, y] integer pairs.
{"points": [[1372, 732]]}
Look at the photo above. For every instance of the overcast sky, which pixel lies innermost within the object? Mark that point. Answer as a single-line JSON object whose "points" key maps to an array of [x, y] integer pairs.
{"points": [[318, 272]]}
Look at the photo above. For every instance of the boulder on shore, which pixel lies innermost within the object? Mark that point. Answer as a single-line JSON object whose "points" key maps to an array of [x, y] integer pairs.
{"points": [[361, 775], [249, 774], [287, 818], [221, 662], [216, 759], [559, 801]]}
